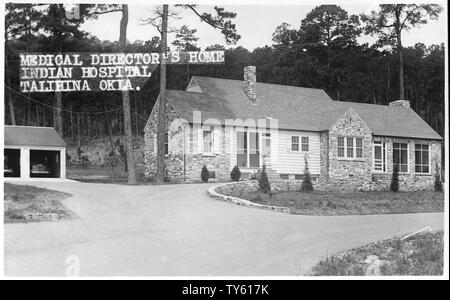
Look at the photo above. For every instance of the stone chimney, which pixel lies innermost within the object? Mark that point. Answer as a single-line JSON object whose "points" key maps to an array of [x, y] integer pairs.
{"points": [[405, 103], [250, 83]]}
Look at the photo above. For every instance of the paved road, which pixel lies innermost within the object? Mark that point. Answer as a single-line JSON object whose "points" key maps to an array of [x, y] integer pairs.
{"points": [[175, 230]]}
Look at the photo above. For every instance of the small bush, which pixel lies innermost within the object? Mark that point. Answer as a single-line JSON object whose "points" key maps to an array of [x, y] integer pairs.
{"points": [[307, 185], [205, 174], [264, 184], [235, 173], [437, 181], [394, 179]]}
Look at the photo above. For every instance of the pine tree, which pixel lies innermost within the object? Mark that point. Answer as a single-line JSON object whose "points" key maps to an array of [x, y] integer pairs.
{"points": [[394, 179], [307, 185], [205, 174], [264, 184], [235, 173]]}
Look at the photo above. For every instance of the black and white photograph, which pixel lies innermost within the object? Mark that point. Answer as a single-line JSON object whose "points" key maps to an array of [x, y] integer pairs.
{"points": [[223, 140]]}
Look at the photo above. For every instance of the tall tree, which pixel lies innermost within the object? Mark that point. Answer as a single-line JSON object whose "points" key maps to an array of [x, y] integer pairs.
{"points": [[160, 159], [60, 28], [126, 102], [329, 25], [185, 39], [391, 20], [221, 21], [20, 21]]}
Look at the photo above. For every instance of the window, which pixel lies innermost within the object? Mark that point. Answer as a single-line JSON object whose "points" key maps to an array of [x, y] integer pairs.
{"points": [[379, 156], [349, 147], [265, 144], [340, 147], [166, 143], [305, 143], [253, 149], [359, 147], [400, 152], [422, 158], [241, 142], [247, 149], [208, 140], [294, 143]]}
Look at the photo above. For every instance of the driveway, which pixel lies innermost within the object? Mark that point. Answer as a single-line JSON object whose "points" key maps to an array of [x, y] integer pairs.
{"points": [[177, 230]]}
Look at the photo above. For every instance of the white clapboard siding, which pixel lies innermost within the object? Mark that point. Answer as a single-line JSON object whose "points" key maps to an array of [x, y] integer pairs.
{"points": [[286, 161]]}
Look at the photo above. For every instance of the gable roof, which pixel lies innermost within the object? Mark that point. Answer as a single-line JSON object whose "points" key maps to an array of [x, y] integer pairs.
{"points": [[32, 136], [295, 108]]}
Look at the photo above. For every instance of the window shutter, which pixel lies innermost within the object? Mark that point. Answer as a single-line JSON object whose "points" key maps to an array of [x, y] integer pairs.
{"points": [[216, 140]]}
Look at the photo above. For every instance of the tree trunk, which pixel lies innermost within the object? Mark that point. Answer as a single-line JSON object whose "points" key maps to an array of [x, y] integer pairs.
{"points": [[78, 131], [126, 102], [10, 98], [400, 55], [160, 163], [57, 114], [72, 125]]}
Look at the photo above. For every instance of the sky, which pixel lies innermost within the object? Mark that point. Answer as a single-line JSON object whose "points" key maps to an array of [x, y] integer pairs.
{"points": [[255, 24]]}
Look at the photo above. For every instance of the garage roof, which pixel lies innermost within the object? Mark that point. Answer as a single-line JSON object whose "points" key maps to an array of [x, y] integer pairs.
{"points": [[32, 136]]}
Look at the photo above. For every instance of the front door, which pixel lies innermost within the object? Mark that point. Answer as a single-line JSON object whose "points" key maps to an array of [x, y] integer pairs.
{"points": [[248, 154]]}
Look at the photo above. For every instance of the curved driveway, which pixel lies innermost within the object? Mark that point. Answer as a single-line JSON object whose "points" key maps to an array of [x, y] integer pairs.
{"points": [[177, 230]]}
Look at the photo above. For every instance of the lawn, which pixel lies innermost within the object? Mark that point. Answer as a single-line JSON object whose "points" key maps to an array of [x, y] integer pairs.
{"points": [[103, 174], [350, 203], [422, 254], [23, 199]]}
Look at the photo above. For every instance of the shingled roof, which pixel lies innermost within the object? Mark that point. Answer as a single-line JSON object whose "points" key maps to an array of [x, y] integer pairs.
{"points": [[32, 136], [296, 108]]}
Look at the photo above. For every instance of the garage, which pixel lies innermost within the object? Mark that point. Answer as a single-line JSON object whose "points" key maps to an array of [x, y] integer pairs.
{"points": [[34, 152]]}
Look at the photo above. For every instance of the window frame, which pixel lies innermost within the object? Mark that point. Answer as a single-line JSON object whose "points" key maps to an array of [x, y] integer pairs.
{"points": [[422, 165], [383, 146], [347, 145], [247, 150], [211, 130], [400, 157], [297, 143], [305, 143], [166, 143]]}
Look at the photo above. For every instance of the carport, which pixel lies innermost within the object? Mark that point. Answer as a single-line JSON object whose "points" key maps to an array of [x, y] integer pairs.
{"points": [[34, 152]]}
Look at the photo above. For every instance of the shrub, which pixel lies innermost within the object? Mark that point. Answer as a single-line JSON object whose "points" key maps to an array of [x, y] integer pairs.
{"points": [[264, 184], [235, 173], [394, 179], [437, 180], [205, 174], [307, 185]]}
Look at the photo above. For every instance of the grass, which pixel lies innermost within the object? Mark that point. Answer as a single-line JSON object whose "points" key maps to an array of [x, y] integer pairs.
{"points": [[22, 199], [350, 203], [102, 174], [422, 254]]}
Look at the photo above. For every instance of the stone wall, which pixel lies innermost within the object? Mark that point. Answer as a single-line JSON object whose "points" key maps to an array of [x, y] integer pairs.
{"points": [[357, 173], [324, 156], [350, 173], [181, 165], [410, 180], [175, 158]]}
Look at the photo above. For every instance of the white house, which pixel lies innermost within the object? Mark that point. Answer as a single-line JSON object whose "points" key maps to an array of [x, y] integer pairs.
{"points": [[222, 123], [33, 152]]}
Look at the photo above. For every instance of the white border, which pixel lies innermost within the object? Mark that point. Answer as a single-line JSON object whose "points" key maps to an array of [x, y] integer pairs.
{"points": [[252, 2]]}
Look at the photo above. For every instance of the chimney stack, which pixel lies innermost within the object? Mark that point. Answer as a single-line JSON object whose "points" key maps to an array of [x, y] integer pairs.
{"points": [[405, 103], [250, 83]]}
